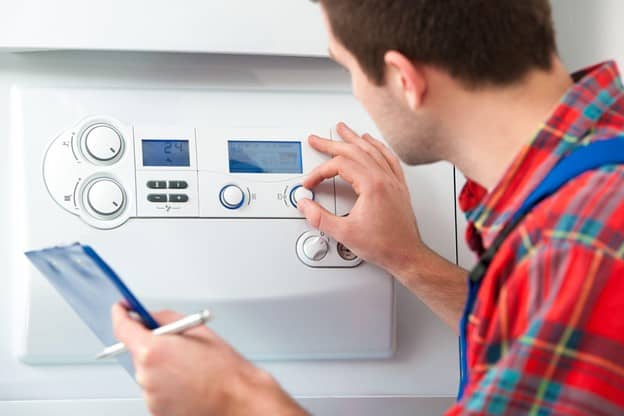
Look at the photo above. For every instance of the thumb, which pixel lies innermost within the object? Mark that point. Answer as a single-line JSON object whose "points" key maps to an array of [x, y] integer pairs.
{"points": [[322, 219], [132, 333], [166, 317]]}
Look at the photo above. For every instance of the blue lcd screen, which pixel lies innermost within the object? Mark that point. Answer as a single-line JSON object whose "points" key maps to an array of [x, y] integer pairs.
{"points": [[166, 153], [265, 156]]}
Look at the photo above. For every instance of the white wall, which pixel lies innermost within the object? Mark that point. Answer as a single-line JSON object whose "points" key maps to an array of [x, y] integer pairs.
{"points": [[589, 31]]}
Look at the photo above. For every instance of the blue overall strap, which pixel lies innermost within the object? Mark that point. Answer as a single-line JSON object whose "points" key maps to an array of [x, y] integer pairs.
{"points": [[584, 159], [581, 160]]}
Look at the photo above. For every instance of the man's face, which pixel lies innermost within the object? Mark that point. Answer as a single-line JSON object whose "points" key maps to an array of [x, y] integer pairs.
{"points": [[413, 135]]}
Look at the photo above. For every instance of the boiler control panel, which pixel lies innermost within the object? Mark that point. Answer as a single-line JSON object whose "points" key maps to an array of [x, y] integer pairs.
{"points": [[107, 172]]}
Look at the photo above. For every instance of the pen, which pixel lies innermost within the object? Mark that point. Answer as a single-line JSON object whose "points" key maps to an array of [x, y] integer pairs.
{"points": [[176, 327]]}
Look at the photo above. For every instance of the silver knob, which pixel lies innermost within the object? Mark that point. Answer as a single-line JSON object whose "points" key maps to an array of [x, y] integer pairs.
{"points": [[316, 248]]}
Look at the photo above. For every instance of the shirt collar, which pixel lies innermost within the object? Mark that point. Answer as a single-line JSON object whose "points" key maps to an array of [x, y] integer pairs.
{"points": [[596, 91]]}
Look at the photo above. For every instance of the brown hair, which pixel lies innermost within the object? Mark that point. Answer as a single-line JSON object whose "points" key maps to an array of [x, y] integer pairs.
{"points": [[480, 42]]}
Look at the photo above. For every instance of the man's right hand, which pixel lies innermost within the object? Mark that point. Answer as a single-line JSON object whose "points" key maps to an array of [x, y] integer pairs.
{"points": [[381, 227]]}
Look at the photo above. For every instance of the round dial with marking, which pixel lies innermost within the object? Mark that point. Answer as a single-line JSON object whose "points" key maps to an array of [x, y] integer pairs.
{"points": [[232, 197], [103, 143], [316, 248], [105, 197], [298, 193]]}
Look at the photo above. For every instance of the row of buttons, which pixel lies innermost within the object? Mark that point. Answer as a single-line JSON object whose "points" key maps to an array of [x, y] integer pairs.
{"points": [[159, 198], [163, 185]]}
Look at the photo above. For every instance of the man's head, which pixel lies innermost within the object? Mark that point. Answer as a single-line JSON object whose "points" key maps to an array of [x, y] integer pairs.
{"points": [[396, 50]]}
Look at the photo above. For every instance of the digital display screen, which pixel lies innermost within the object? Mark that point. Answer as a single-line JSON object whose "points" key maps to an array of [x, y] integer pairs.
{"points": [[166, 153], [265, 156]]}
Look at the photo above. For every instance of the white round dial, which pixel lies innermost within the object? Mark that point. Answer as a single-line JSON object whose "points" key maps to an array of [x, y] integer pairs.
{"points": [[316, 248], [298, 193], [232, 197], [105, 197], [103, 143]]}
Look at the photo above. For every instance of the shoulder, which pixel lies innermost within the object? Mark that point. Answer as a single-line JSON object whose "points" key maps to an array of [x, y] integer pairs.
{"points": [[574, 235], [587, 212]]}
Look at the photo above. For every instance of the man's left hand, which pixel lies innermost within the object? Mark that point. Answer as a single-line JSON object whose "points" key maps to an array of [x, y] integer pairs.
{"points": [[197, 373]]}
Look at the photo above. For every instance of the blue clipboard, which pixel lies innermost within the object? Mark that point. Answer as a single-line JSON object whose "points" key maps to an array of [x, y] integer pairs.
{"points": [[91, 287]]}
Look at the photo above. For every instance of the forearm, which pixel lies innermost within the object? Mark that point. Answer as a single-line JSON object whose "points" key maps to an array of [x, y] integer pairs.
{"points": [[440, 284]]}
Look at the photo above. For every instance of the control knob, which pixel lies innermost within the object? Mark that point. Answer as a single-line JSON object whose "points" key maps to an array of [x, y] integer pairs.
{"points": [[102, 143], [105, 197], [298, 193], [315, 248], [232, 197]]}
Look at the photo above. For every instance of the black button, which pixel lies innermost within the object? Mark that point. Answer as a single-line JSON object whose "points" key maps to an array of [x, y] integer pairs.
{"points": [[178, 198], [156, 184], [157, 198], [178, 185]]}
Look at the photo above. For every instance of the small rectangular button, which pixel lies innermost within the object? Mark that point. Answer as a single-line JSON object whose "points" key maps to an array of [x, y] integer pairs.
{"points": [[178, 198], [156, 184], [157, 198], [178, 185]]}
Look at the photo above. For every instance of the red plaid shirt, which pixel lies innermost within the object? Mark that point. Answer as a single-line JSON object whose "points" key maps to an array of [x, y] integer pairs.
{"points": [[546, 336]]}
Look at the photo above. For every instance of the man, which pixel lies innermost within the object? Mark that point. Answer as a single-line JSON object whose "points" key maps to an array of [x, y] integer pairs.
{"points": [[479, 84]]}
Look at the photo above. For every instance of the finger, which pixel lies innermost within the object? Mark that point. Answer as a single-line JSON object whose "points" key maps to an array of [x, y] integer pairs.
{"points": [[167, 317], [392, 160], [347, 150], [327, 146], [133, 334], [140, 379], [352, 137], [323, 220], [346, 133], [347, 169]]}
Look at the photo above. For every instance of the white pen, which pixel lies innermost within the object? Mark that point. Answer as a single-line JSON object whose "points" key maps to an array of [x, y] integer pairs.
{"points": [[176, 327]]}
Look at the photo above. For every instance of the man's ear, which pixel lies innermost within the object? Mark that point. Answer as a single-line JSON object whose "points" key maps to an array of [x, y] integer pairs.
{"points": [[405, 78]]}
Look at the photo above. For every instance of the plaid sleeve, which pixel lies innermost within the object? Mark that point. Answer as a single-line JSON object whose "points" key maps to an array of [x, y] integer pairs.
{"points": [[559, 326]]}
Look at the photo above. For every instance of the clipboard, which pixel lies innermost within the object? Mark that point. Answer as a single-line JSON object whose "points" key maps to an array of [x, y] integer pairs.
{"points": [[90, 287]]}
